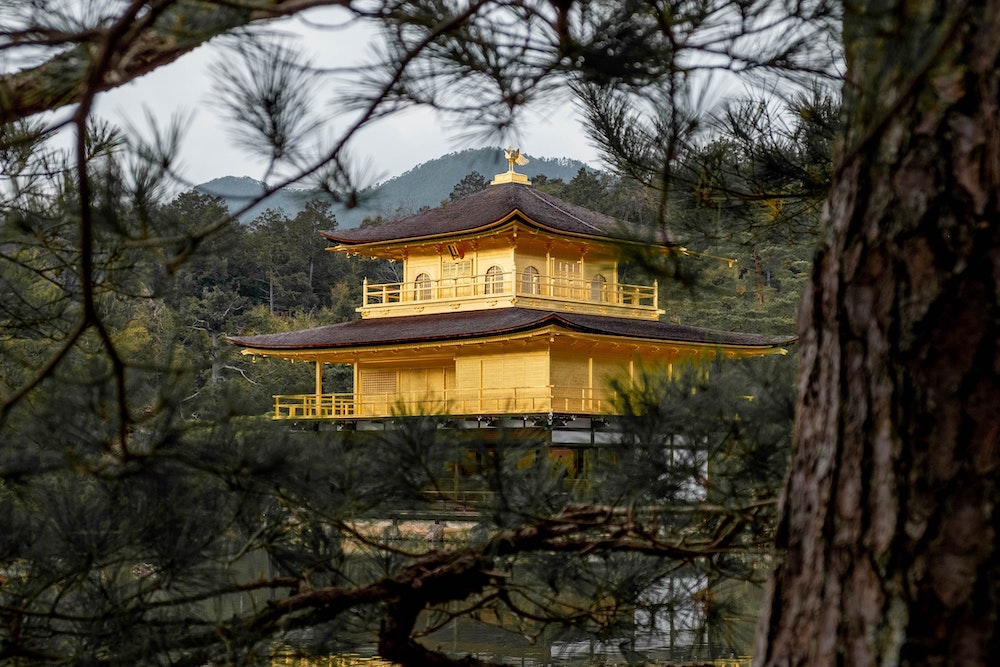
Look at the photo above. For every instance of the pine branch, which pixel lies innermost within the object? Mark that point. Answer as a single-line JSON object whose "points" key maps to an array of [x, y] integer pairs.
{"points": [[180, 27]]}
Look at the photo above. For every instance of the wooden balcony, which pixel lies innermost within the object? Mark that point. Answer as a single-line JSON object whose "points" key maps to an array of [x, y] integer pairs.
{"points": [[506, 289], [458, 402]]}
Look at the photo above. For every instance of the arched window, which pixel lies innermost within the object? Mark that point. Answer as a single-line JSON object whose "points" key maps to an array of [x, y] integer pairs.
{"points": [[422, 287], [598, 288], [494, 280], [530, 283]]}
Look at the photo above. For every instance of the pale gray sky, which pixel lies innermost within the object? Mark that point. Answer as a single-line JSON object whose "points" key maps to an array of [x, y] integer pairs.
{"points": [[388, 148]]}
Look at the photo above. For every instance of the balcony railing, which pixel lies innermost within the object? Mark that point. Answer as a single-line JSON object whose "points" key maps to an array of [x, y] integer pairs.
{"points": [[565, 400], [313, 406], [492, 286]]}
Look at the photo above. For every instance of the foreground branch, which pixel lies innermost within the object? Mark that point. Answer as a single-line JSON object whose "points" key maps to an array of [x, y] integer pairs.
{"points": [[444, 576], [182, 26]]}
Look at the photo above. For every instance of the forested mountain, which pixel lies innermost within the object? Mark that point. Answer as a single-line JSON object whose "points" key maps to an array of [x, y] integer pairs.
{"points": [[238, 191], [426, 184]]}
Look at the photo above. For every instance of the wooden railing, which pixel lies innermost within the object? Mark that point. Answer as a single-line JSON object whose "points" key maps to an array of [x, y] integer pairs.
{"points": [[496, 285], [575, 400], [314, 406]]}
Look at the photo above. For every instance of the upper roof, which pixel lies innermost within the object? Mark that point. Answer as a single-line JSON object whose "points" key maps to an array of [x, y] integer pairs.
{"points": [[493, 207], [483, 323]]}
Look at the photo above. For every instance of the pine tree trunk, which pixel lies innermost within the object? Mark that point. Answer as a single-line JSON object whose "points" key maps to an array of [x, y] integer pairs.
{"points": [[889, 533]]}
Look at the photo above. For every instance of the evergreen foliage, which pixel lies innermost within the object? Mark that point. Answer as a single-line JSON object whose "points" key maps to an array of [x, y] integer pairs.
{"points": [[136, 493], [471, 183], [153, 514]]}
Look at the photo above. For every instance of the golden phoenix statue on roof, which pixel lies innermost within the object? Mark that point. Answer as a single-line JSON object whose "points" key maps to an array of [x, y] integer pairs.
{"points": [[514, 156]]}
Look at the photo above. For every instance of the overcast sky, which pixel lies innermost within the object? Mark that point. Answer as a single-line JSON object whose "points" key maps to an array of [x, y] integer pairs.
{"points": [[388, 149]]}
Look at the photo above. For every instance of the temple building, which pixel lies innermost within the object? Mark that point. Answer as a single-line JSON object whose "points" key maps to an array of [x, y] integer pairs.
{"points": [[510, 307]]}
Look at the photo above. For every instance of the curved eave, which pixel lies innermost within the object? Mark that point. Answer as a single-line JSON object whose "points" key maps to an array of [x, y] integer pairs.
{"points": [[350, 353], [379, 333], [375, 247], [713, 340], [443, 330], [427, 349], [507, 223], [729, 349]]}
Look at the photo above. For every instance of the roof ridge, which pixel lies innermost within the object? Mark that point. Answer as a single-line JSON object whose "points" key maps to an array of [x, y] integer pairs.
{"points": [[538, 196]]}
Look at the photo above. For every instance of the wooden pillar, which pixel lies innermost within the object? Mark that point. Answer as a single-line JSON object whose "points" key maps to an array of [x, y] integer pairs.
{"points": [[589, 403], [356, 389], [549, 269], [319, 387]]}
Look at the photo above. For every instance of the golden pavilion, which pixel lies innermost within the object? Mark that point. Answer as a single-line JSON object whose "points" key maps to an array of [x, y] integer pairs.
{"points": [[510, 306]]}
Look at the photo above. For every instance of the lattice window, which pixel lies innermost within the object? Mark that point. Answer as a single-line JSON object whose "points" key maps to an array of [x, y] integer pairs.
{"points": [[567, 276], [379, 382], [567, 269], [459, 269]]}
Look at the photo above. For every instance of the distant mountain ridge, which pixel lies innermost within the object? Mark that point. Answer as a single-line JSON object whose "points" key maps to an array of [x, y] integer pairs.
{"points": [[427, 184]]}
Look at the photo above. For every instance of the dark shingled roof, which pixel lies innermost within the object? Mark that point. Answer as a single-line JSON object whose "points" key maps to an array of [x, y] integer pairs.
{"points": [[488, 208], [482, 323]]}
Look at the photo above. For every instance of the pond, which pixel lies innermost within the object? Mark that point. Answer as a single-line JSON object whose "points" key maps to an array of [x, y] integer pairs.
{"points": [[674, 621]]}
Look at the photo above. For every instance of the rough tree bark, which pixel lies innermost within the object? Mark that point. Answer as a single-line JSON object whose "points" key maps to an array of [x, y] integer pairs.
{"points": [[889, 527]]}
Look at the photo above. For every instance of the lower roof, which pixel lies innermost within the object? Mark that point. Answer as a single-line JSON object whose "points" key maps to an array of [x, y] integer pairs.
{"points": [[483, 323]]}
